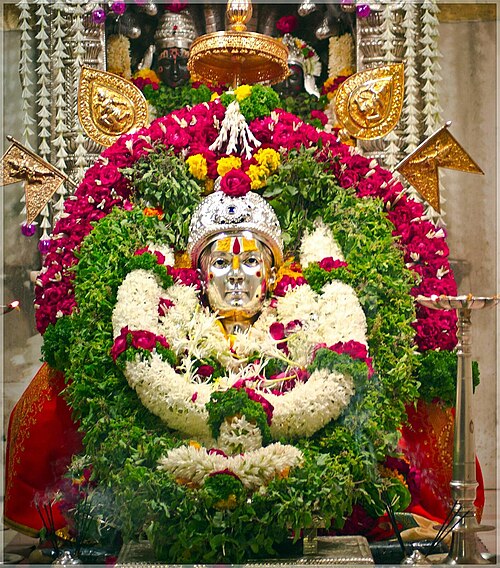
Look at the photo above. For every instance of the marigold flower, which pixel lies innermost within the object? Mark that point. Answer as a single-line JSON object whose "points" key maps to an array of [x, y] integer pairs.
{"points": [[258, 176], [153, 212], [225, 165], [197, 165], [242, 92], [268, 157], [147, 74]]}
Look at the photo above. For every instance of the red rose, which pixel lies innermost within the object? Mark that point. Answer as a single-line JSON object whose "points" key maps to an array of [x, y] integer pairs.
{"points": [[329, 264], [287, 24], [235, 183], [143, 340], [320, 115], [205, 371]]}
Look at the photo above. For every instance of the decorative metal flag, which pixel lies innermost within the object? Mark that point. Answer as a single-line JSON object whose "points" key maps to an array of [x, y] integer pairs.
{"points": [[41, 179], [109, 106], [368, 104], [420, 168]]}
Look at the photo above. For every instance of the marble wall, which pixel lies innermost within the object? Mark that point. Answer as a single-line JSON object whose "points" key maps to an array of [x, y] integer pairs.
{"points": [[469, 100]]}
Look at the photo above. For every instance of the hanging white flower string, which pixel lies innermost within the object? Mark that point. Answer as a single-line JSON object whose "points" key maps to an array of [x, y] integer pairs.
{"points": [[27, 73], [389, 14], [43, 99], [44, 81], [59, 142], [411, 113], [78, 30], [431, 76], [235, 134], [28, 79]]}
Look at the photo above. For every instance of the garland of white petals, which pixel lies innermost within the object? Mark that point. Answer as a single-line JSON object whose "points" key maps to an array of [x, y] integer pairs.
{"points": [[254, 469], [179, 396], [179, 400], [340, 54]]}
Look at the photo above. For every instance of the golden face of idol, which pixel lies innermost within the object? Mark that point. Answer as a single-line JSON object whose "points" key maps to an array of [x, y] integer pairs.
{"points": [[236, 270]]}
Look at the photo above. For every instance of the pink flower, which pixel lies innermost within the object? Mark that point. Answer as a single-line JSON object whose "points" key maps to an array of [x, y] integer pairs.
{"points": [[143, 340], [164, 305], [277, 331], [287, 283], [205, 371], [320, 115], [355, 350], [330, 264], [120, 343], [266, 405], [235, 183], [216, 452], [287, 24], [186, 276]]}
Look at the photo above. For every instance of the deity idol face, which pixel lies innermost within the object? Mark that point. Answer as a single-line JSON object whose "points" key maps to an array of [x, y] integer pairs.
{"points": [[172, 66], [236, 269], [294, 83]]}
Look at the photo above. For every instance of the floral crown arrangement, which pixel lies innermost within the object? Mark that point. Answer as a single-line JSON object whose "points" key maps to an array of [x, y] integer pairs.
{"points": [[216, 445]]}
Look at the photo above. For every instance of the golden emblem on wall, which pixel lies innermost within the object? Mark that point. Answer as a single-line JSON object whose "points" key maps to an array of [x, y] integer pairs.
{"points": [[420, 168], [368, 104], [109, 106]]}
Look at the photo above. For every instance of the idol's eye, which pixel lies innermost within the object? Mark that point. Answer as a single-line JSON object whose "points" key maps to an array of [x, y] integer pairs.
{"points": [[252, 261], [220, 263]]}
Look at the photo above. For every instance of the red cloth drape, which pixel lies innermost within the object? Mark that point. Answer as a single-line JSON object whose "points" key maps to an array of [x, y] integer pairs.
{"points": [[41, 439], [427, 442]]}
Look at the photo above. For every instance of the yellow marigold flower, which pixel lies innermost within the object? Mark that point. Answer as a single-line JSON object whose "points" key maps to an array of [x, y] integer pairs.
{"points": [[197, 166], [147, 74], [225, 165], [214, 96], [258, 176], [268, 157], [194, 444], [242, 92], [209, 186], [289, 268]]}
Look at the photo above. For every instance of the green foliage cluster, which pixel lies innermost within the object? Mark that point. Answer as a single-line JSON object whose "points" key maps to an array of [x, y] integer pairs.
{"points": [[163, 180], [261, 102], [125, 441], [165, 99], [302, 104], [437, 374], [232, 402]]}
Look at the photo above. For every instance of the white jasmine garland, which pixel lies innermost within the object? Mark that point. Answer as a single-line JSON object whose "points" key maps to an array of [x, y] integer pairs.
{"points": [[319, 244], [254, 469], [179, 396]]}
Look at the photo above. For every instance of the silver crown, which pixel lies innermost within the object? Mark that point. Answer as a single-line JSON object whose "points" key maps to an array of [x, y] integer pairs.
{"points": [[175, 29], [222, 214]]}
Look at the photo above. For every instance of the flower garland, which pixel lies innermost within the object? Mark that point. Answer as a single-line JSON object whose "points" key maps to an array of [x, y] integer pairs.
{"points": [[84, 268]]}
